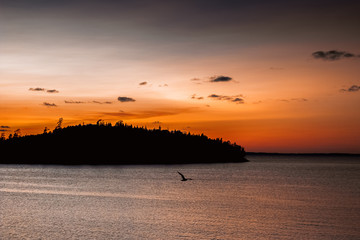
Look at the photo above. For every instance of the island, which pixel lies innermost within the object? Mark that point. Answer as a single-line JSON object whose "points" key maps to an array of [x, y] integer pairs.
{"points": [[105, 144]]}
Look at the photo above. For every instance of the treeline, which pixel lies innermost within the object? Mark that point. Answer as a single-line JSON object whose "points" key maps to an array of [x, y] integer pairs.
{"points": [[102, 143]]}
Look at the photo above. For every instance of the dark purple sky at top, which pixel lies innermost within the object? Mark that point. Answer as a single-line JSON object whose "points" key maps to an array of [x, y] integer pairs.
{"points": [[183, 28], [278, 20]]}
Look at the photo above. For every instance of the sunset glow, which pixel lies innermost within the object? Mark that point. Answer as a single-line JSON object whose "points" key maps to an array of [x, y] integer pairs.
{"points": [[273, 77]]}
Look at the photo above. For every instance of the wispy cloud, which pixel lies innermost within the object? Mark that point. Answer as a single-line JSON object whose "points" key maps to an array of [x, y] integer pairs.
{"points": [[49, 104], [148, 113], [74, 102], [213, 79], [294, 100], [126, 99], [4, 128], [52, 91], [38, 89], [235, 99], [196, 80], [142, 83], [106, 102], [333, 55], [82, 102], [353, 88], [194, 96], [220, 78]]}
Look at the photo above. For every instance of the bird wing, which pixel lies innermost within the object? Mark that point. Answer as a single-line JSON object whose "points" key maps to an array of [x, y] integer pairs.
{"points": [[181, 175]]}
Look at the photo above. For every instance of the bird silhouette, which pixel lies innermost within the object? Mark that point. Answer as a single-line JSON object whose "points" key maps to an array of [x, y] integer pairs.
{"points": [[183, 177]]}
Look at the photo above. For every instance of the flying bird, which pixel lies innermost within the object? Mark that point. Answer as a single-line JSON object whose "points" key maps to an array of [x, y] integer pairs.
{"points": [[183, 177]]}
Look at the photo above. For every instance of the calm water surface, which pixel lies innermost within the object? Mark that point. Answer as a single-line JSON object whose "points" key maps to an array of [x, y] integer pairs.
{"points": [[268, 198]]}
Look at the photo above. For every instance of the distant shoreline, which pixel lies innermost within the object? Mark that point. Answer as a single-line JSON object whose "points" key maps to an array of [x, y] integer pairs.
{"points": [[304, 154]]}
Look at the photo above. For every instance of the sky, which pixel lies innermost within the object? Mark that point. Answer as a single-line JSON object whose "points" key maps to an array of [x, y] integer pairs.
{"points": [[272, 76]]}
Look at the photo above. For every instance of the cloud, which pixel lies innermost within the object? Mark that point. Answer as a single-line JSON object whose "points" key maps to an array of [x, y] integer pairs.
{"points": [[353, 88], [195, 97], [49, 104], [294, 100], [148, 113], [142, 83], [300, 99], [52, 91], [73, 102], [235, 99], [333, 55], [220, 79], [81, 102], [106, 102], [215, 96], [38, 89], [196, 80], [213, 79], [126, 99], [4, 128]]}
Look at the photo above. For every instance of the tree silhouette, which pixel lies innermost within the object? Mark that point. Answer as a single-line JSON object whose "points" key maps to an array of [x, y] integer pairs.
{"points": [[59, 123], [17, 133], [100, 122], [2, 137], [102, 143]]}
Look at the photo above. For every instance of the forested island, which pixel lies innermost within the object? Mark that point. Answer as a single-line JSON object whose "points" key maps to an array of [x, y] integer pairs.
{"points": [[104, 144]]}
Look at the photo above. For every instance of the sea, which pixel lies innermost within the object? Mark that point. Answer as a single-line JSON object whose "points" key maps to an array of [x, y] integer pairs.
{"points": [[269, 197]]}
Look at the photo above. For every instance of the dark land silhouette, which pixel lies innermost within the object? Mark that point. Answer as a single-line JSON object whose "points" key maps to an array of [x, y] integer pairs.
{"points": [[102, 143]]}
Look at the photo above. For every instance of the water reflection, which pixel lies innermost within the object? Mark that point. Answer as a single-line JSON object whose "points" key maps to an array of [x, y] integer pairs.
{"points": [[261, 199]]}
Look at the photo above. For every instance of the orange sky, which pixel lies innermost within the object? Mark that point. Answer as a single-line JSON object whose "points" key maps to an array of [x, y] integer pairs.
{"points": [[269, 91]]}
